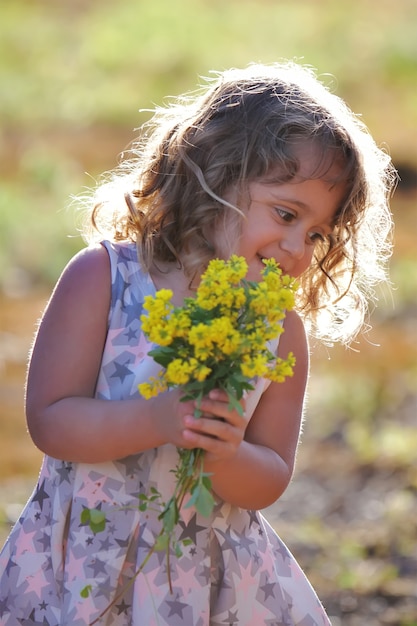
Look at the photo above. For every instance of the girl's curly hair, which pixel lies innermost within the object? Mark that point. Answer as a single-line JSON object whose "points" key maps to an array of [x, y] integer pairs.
{"points": [[169, 195]]}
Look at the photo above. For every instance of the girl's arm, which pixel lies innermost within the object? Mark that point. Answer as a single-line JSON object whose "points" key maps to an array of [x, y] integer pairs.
{"points": [[260, 469], [63, 417]]}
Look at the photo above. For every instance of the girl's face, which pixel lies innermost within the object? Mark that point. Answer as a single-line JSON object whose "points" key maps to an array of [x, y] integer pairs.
{"points": [[284, 221]]}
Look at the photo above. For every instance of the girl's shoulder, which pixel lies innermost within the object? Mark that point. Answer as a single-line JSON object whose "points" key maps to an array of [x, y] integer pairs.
{"points": [[88, 265], [107, 263], [90, 272], [294, 338], [294, 324]]}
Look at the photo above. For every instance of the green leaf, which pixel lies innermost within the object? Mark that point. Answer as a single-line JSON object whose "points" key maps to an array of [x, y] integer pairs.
{"points": [[95, 518], [161, 542], [235, 404], [205, 502], [85, 592], [98, 528], [202, 499], [162, 355], [194, 496], [170, 516], [177, 550], [206, 481], [187, 542], [196, 388], [221, 372], [240, 379]]}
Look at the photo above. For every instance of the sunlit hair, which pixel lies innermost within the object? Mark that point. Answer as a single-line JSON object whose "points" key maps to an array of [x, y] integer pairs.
{"points": [[168, 195]]}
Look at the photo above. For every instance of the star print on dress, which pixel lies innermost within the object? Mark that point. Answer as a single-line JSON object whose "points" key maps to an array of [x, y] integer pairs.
{"points": [[236, 571]]}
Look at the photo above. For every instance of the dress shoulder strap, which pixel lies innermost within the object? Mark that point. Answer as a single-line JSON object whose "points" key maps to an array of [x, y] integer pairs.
{"points": [[130, 283]]}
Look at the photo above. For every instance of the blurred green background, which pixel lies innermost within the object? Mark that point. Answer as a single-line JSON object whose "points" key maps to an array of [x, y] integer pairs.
{"points": [[74, 75]]}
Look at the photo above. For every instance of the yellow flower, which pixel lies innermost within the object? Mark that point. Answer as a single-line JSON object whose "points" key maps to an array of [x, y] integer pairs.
{"points": [[153, 387], [286, 299], [202, 372], [224, 335], [256, 339], [254, 366], [262, 302], [154, 325], [272, 280], [282, 369], [239, 298], [179, 371], [179, 323], [238, 268], [211, 292], [160, 303], [201, 336], [219, 284], [203, 354], [160, 334]]}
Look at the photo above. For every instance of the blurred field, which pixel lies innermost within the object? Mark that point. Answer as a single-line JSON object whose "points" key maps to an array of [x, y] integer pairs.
{"points": [[73, 77]]}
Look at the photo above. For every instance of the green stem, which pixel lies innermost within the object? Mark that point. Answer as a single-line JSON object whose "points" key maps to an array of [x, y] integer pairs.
{"points": [[168, 555], [194, 462], [129, 584]]}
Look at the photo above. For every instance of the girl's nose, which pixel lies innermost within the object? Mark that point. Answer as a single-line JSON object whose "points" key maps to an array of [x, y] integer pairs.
{"points": [[294, 246]]}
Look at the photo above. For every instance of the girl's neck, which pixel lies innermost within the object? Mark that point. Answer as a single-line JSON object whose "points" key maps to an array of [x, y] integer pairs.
{"points": [[170, 276]]}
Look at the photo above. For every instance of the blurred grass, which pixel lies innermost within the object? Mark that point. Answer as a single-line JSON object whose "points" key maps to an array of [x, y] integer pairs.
{"points": [[63, 57], [73, 77]]}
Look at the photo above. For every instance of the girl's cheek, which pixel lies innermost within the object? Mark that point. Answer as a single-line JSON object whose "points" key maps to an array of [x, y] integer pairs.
{"points": [[302, 266]]}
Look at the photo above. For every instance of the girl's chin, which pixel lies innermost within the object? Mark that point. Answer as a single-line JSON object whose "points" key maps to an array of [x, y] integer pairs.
{"points": [[254, 274], [255, 269]]}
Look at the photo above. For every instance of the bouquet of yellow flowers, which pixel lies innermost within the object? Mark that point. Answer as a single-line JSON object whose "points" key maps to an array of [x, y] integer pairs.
{"points": [[219, 339]]}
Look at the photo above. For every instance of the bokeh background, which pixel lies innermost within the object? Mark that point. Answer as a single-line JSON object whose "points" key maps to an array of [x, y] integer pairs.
{"points": [[74, 75]]}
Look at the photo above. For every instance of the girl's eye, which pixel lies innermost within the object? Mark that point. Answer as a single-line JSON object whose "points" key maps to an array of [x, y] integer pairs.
{"points": [[316, 237], [285, 215]]}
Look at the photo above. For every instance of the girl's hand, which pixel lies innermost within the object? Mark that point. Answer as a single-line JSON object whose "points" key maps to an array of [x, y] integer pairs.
{"points": [[168, 413], [219, 431]]}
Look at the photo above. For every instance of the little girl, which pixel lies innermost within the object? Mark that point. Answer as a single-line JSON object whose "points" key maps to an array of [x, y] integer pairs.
{"points": [[265, 163]]}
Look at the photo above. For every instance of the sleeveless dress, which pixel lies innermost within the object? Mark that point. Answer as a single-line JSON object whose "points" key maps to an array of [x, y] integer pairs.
{"points": [[236, 571]]}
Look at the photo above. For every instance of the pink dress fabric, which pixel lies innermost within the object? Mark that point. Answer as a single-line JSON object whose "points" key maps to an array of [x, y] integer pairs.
{"points": [[236, 571]]}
